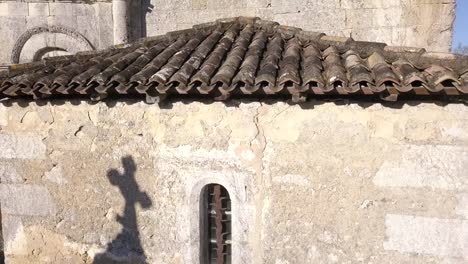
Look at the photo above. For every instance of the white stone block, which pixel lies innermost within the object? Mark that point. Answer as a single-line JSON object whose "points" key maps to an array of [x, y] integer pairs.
{"points": [[55, 175], [353, 4], [379, 34], [13, 236], [292, 180], [435, 167], [8, 174], [285, 6], [21, 147], [65, 21], [3, 115], [462, 207], [14, 8], [104, 25], [428, 1], [71, 9], [38, 9], [4, 9], [199, 4], [36, 21], [26, 199], [429, 236], [320, 4]]}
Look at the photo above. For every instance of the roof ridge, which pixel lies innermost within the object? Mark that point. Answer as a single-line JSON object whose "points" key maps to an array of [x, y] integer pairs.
{"points": [[320, 38]]}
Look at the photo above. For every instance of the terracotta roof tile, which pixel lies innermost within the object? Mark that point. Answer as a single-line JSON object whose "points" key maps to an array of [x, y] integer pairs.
{"points": [[242, 57]]}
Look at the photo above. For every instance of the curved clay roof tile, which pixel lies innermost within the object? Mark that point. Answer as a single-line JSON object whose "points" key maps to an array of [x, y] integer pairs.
{"points": [[242, 57]]}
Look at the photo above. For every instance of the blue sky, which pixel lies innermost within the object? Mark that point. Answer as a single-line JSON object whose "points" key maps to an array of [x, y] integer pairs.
{"points": [[461, 24]]}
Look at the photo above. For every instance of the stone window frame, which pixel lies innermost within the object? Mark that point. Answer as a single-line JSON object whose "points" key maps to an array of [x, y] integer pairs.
{"points": [[205, 227], [242, 214]]}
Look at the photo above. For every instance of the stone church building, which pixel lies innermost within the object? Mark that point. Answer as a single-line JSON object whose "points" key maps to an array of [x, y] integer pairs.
{"points": [[35, 29], [238, 140]]}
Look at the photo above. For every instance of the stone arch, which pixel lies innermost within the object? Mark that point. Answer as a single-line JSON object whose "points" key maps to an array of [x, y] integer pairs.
{"points": [[39, 41]]}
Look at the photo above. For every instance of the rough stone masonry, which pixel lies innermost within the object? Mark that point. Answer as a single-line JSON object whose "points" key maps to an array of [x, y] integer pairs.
{"points": [[312, 183], [35, 29]]}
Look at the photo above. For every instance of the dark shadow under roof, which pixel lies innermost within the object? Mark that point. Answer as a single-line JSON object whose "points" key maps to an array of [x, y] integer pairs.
{"points": [[243, 57]]}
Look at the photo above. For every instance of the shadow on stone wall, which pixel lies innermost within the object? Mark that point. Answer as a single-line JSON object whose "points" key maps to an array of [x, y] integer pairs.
{"points": [[126, 247]]}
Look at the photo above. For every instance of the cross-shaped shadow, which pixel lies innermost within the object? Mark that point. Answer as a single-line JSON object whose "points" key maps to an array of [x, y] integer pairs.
{"points": [[126, 247]]}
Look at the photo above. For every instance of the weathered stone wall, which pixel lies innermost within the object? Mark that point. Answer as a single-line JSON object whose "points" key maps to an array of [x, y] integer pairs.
{"points": [[317, 183], [82, 27], [419, 23]]}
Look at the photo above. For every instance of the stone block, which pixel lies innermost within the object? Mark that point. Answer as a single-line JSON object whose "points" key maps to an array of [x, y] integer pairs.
{"points": [[21, 147], [13, 234], [38, 9], [199, 4], [319, 4], [36, 21], [64, 21], [8, 174], [379, 34], [55, 175], [163, 5], [104, 24], [462, 207], [402, 36], [428, 14], [4, 9], [10, 26], [295, 19], [71, 9], [285, 6], [264, 13], [426, 166], [414, 2], [161, 22], [159, 5], [26, 199], [417, 36], [10, 33], [3, 115], [426, 235], [217, 5], [88, 28], [315, 20], [373, 18], [357, 4], [13, 8]]}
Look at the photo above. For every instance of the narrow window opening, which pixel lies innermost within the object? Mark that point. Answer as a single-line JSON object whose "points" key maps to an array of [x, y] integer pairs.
{"points": [[215, 225]]}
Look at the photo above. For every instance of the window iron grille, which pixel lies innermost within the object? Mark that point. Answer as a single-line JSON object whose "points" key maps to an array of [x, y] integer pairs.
{"points": [[216, 225]]}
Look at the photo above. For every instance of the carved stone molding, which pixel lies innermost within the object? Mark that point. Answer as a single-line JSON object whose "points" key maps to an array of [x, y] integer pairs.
{"points": [[82, 43]]}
